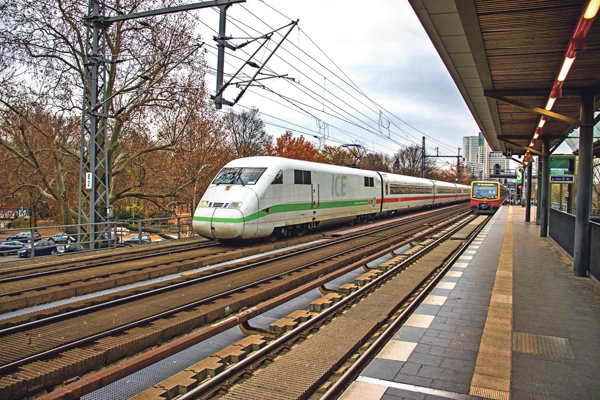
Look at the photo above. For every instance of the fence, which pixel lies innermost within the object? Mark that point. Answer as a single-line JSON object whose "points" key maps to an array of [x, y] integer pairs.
{"points": [[75, 238], [562, 230]]}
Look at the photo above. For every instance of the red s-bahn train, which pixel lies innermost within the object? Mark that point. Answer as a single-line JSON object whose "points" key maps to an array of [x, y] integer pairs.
{"points": [[487, 197]]}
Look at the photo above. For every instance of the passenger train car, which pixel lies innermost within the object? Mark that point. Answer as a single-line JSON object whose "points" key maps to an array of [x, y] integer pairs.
{"points": [[487, 196], [259, 197]]}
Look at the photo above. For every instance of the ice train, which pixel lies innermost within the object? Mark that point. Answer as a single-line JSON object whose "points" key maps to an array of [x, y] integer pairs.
{"points": [[258, 197]]}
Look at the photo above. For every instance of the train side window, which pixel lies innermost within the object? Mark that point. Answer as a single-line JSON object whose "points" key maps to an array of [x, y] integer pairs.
{"points": [[369, 181], [302, 177], [278, 180], [307, 180]]}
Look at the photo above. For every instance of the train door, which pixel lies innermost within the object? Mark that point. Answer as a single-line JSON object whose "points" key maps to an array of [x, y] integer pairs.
{"points": [[315, 195]]}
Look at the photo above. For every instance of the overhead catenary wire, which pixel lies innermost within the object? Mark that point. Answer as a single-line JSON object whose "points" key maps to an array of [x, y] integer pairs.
{"points": [[333, 104], [353, 86], [358, 89], [341, 108]]}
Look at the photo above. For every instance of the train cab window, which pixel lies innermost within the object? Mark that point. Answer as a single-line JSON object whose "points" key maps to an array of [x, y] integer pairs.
{"points": [[238, 176], [302, 177], [369, 181], [278, 180], [485, 190]]}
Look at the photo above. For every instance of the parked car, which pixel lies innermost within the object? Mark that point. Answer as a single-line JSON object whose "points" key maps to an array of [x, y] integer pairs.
{"points": [[41, 249], [62, 237], [135, 240], [25, 237], [119, 230], [103, 241], [70, 248], [7, 248]]}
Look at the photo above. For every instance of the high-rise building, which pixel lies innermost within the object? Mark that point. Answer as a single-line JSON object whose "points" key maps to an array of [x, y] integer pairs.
{"points": [[480, 157], [471, 155]]}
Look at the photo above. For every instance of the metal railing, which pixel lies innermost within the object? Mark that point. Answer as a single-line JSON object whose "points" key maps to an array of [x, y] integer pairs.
{"points": [[74, 238]]}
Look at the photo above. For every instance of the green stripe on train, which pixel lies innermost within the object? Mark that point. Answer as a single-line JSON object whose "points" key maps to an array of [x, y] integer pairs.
{"points": [[280, 208]]}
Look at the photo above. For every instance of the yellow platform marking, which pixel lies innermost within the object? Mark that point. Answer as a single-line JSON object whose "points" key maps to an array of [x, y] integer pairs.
{"points": [[454, 274], [420, 320], [492, 371], [364, 391], [446, 285], [460, 265], [397, 350]]}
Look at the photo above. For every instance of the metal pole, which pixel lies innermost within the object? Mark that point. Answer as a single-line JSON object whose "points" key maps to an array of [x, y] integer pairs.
{"points": [[423, 159], [581, 249], [529, 188], [221, 54], [545, 188], [458, 167]]}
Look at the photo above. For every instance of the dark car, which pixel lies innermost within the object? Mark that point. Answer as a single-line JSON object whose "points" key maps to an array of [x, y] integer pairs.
{"points": [[41, 249], [7, 248], [135, 240], [25, 237], [62, 237], [70, 248], [103, 241]]}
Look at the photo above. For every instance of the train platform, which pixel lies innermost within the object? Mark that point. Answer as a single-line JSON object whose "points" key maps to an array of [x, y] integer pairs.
{"points": [[509, 321]]}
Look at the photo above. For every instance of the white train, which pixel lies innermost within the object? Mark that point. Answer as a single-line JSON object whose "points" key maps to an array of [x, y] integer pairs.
{"points": [[259, 197]]}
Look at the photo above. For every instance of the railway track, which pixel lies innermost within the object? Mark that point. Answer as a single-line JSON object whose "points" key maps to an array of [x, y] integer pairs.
{"points": [[195, 302], [27, 290]]}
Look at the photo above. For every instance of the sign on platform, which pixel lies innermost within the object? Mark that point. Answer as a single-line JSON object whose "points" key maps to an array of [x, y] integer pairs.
{"points": [[562, 178], [528, 158]]}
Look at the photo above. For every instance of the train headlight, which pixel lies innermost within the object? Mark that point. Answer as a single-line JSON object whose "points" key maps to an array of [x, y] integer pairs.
{"points": [[204, 203], [235, 205]]}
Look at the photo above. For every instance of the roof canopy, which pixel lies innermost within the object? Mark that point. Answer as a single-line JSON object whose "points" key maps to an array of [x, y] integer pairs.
{"points": [[505, 57]]}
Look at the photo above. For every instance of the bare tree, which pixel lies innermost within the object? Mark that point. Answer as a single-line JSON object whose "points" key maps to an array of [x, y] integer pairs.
{"points": [[376, 162], [408, 161], [154, 88], [247, 132]]}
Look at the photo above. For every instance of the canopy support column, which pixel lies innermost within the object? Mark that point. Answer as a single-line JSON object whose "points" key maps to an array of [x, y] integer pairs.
{"points": [[581, 253], [545, 197], [528, 198]]}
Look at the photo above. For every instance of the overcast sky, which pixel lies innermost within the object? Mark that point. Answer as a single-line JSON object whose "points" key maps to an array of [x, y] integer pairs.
{"points": [[379, 45]]}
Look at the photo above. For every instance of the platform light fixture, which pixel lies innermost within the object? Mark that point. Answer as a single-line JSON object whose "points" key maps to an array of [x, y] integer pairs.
{"points": [[592, 9], [564, 71], [542, 122]]}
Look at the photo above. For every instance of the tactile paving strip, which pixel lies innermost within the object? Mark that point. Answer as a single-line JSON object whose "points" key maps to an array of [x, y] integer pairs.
{"points": [[550, 346]]}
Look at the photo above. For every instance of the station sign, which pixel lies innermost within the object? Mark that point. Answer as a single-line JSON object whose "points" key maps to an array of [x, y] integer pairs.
{"points": [[562, 178]]}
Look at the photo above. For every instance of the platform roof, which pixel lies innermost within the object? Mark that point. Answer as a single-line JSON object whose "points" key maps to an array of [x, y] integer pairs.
{"points": [[505, 55]]}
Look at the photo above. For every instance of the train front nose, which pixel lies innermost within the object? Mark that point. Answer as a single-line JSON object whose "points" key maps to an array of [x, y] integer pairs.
{"points": [[219, 223], [227, 224]]}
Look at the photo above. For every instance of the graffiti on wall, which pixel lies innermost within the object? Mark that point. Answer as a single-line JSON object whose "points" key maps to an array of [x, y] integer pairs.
{"points": [[13, 213]]}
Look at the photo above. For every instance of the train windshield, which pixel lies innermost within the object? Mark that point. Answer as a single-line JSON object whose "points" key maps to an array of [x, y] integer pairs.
{"points": [[238, 176], [485, 191]]}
